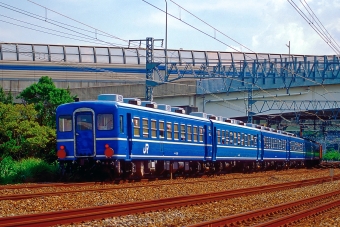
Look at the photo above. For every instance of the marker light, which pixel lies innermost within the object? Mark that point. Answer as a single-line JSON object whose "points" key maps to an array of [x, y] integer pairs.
{"points": [[108, 151], [61, 152]]}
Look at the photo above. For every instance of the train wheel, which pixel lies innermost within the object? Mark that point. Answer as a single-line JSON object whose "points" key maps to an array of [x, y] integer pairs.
{"points": [[140, 169]]}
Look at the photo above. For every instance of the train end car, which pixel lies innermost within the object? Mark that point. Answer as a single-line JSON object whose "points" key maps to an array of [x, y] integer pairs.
{"points": [[132, 138]]}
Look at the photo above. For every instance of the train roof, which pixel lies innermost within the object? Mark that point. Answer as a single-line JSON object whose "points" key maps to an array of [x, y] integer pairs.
{"points": [[135, 103]]}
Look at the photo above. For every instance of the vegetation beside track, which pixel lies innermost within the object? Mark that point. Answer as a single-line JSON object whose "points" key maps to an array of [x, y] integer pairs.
{"points": [[27, 133], [27, 170]]}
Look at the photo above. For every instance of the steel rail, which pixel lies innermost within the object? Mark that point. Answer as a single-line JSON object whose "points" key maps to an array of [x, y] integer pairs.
{"points": [[42, 194], [119, 181], [299, 215], [98, 212], [238, 219]]}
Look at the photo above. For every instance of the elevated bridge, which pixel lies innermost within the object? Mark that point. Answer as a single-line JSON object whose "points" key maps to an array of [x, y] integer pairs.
{"points": [[277, 89]]}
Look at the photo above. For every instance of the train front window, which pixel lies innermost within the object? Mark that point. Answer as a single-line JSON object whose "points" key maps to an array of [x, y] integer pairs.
{"points": [[65, 123], [84, 122], [105, 121]]}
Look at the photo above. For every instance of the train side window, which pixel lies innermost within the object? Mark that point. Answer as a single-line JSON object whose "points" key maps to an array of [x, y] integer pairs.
{"points": [[226, 137], [246, 140], [121, 124], [176, 132], [238, 138], [235, 138], [189, 133], [183, 132], [218, 136], [195, 133], [161, 129], [249, 140], [65, 123], [145, 128], [153, 129], [169, 131], [231, 137], [223, 136], [255, 141], [242, 139], [105, 121], [201, 133], [136, 127]]}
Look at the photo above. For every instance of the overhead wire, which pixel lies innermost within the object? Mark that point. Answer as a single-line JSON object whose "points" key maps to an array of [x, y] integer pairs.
{"points": [[78, 21], [319, 22], [92, 27], [70, 36], [224, 44], [315, 28]]}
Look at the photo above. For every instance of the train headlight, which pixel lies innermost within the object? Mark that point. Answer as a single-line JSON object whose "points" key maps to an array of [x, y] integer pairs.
{"points": [[61, 152], [108, 151]]}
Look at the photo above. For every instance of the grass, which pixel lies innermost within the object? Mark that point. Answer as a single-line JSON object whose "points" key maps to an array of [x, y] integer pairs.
{"points": [[27, 170]]}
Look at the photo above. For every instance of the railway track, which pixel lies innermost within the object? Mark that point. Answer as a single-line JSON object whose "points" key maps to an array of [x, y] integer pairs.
{"points": [[43, 194], [116, 182], [98, 212], [280, 215]]}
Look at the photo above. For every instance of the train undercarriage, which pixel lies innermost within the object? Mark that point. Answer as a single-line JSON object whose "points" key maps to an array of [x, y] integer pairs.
{"points": [[103, 170]]}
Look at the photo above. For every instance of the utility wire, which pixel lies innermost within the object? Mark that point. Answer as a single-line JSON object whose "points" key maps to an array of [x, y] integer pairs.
{"points": [[78, 21], [92, 40], [91, 27], [305, 17], [319, 23], [224, 44]]}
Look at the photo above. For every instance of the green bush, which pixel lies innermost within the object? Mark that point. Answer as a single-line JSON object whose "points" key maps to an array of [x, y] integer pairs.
{"points": [[331, 155], [27, 170]]}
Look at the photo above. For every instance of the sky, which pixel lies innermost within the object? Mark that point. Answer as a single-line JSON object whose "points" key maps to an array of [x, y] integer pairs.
{"points": [[265, 26]]}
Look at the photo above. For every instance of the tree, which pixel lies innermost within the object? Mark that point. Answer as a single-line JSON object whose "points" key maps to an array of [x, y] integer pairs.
{"points": [[5, 98], [20, 134], [46, 97]]}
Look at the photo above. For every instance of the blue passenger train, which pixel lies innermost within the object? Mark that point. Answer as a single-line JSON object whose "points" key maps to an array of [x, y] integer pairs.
{"points": [[138, 138]]}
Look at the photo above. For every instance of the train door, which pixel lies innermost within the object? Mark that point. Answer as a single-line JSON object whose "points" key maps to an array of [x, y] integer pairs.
{"points": [[84, 133], [161, 136], [260, 146], [129, 136], [208, 143], [288, 149], [214, 147]]}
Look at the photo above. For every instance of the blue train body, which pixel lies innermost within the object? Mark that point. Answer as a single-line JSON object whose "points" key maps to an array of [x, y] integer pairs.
{"points": [[143, 139]]}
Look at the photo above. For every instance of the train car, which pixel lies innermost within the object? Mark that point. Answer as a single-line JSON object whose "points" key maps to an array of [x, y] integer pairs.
{"points": [[138, 138], [236, 145], [313, 152], [135, 137]]}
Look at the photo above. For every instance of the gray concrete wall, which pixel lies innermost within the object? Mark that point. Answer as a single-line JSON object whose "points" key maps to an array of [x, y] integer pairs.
{"points": [[136, 90]]}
